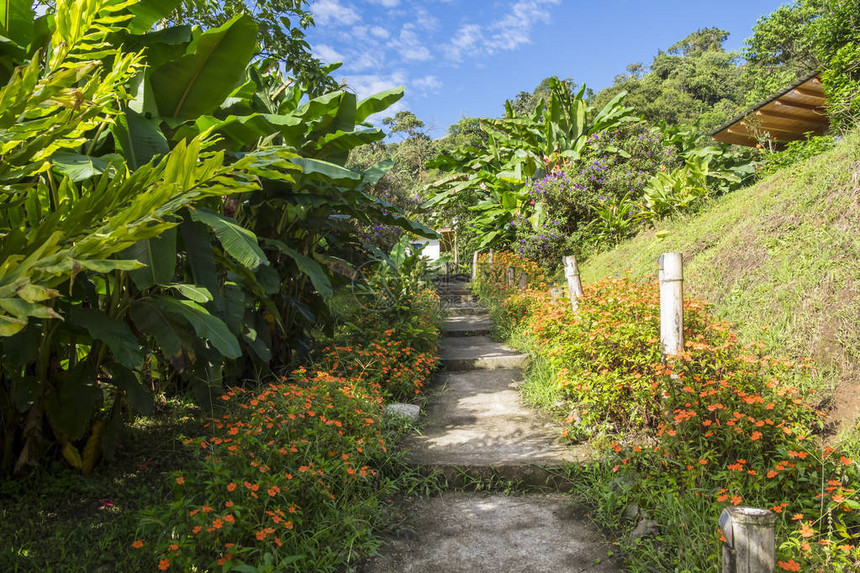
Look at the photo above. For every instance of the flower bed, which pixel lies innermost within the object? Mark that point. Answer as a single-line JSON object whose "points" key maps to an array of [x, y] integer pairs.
{"points": [[295, 476], [719, 424]]}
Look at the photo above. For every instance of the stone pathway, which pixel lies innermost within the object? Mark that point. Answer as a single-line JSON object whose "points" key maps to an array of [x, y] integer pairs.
{"points": [[478, 428]]}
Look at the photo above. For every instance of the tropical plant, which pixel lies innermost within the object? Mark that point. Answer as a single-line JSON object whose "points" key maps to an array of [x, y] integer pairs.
{"points": [[520, 149]]}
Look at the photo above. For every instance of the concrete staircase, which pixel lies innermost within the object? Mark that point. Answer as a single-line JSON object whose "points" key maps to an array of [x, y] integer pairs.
{"points": [[478, 430]]}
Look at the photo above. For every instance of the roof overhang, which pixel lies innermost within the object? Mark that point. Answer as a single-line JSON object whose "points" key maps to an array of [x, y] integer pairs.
{"points": [[786, 116]]}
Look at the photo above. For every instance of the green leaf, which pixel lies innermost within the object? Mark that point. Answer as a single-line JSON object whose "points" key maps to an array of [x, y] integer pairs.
{"points": [[170, 336], [10, 325], [237, 241], [159, 256], [138, 139], [328, 172], [78, 167], [70, 408], [138, 397], [197, 83], [205, 325], [25, 392], [117, 335], [374, 173], [148, 12], [196, 293], [307, 266], [377, 103], [16, 21]]}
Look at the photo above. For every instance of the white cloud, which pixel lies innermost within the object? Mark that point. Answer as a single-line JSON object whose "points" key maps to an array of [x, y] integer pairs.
{"points": [[386, 3], [409, 45], [327, 54], [379, 32], [507, 33], [333, 12], [427, 85]]}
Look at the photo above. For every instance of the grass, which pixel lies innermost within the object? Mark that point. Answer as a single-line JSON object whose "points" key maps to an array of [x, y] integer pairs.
{"points": [[60, 520], [779, 260]]}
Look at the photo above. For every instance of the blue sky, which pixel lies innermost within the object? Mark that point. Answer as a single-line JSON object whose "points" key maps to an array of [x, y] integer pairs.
{"points": [[464, 58]]}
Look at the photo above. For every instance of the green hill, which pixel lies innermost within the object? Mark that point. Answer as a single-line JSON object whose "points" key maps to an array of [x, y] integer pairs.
{"points": [[780, 260]]}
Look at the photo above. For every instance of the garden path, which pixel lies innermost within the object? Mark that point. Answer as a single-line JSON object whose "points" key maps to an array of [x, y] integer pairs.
{"points": [[478, 431]]}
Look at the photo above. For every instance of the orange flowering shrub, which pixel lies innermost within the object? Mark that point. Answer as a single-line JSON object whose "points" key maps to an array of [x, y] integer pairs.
{"points": [[719, 424], [492, 280], [293, 476]]}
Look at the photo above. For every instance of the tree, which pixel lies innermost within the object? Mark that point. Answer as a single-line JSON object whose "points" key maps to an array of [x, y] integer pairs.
{"points": [[405, 122], [282, 26]]}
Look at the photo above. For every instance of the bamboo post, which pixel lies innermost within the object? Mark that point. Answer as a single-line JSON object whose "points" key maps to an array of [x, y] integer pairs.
{"points": [[511, 274], [474, 267], [574, 284], [524, 281], [671, 274], [750, 545]]}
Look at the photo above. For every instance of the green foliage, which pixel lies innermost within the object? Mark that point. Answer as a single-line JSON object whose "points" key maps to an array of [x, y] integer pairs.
{"points": [[795, 153], [720, 423], [490, 182], [594, 202], [134, 204]]}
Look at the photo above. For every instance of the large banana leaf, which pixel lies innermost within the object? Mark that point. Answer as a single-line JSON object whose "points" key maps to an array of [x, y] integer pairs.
{"points": [[117, 335], [215, 61], [237, 241], [205, 325]]}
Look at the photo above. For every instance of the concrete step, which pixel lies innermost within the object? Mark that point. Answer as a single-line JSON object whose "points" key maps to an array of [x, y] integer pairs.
{"points": [[458, 298], [469, 325], [465, 309], [478, 353], [477, 420], [455, 290], [459, 532]]}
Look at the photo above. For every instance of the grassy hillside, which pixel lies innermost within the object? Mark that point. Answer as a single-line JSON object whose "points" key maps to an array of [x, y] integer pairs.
{"points": [[780, 259]]}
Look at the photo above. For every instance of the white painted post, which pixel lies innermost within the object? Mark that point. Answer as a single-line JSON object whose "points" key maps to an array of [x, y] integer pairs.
{"points": [[750, 545], [671, 275], [474, 267], [524, 281], [574, 284]]}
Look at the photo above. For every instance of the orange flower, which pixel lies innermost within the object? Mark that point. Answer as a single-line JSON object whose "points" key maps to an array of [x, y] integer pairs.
{"points": [[790, 565], [845, 461], [231, 486], [797, 517], [806, 530], [180, 480], [163, 564], [137, 544]]}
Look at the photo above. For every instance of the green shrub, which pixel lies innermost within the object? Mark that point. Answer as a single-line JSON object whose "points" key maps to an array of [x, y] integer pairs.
{"points": [[718, 424]]}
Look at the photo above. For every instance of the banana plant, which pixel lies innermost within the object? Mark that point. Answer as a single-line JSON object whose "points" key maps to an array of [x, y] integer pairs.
{"points": [[519, 150]]}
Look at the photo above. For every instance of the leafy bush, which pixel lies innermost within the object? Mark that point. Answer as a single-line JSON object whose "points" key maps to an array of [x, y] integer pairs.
{"points": [[577, 209], [717, 424], [795, 152]]}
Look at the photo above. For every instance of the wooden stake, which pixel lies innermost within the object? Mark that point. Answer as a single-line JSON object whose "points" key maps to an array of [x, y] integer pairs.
{"points": [[524, 281], [750, 545], [511, 274], [574, 284], [671, 276], [474, 267]]}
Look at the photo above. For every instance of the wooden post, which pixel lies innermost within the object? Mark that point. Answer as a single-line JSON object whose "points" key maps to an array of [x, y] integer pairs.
{"points": [[554, 294], [511, 274], [750, 545], [671, 275], [491, 259], [574, 284], [524, 281], [474, 267]]}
